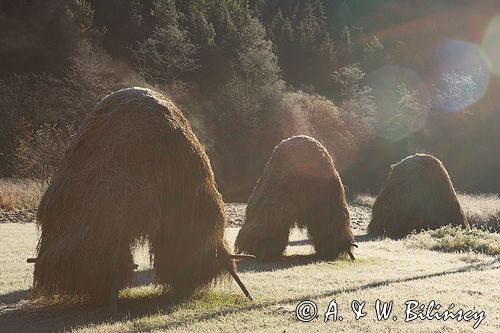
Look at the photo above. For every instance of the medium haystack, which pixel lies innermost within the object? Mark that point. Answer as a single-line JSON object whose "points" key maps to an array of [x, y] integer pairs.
{"points": [[134, 170], [300, 185], [418, 195]]}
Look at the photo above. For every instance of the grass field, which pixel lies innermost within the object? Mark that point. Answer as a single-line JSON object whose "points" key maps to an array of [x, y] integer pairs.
{"points": [[450, 266], [384, 269]]}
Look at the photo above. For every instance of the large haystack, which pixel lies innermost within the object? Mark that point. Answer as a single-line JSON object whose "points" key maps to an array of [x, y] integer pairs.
{"points": [[299, 185], [418, 195], [134, 170]]}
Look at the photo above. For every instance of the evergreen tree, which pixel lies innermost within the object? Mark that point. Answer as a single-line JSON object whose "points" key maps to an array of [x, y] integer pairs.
{"points": [[168, 52], [328, 52], [309, 27], [321, 15], [373, 54]]}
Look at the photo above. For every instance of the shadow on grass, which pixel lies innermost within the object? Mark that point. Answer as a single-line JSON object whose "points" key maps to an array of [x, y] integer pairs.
{"points": [[14, 297], [300, 242], [42, 316], [367, 238], [143, 277], [49, 318], [357, 239], [282, 262], [295, 300]]}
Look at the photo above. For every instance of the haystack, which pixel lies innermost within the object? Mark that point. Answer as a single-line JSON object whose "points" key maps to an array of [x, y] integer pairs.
{"points": [[300, 185], [134, 170], [418, 195]]}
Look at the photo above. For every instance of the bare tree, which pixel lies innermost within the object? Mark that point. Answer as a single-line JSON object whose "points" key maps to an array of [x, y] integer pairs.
{"points": [[358, 106], [39, 151], [455, 91]]}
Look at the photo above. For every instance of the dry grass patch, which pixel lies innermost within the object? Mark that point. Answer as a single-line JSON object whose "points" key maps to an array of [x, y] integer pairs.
{"points": [[482, 210], [456, 239], [363, 199], [19, 194]]}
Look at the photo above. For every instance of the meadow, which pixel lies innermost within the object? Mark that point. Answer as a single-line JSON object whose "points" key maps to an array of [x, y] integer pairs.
{"points": [[461, 269], [371, 81]]}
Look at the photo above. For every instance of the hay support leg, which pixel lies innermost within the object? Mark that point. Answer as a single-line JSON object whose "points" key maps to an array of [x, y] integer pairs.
{"points": [[238, 281], [115, 290], [113, 301]]}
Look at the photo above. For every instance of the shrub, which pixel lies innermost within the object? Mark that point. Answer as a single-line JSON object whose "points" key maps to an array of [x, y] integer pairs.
{"points": [[39, 151], [92, 74], [456, 239], [19, 194], [314, 115]]}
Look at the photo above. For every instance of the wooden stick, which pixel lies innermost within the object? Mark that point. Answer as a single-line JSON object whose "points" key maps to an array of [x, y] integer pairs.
{"points": [[350, 254], [242, 256], [238, 281]]}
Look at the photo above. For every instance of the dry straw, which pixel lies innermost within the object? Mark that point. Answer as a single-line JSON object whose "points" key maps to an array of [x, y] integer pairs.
{"points": [[134, 170], [418, 195], [299, 185]]}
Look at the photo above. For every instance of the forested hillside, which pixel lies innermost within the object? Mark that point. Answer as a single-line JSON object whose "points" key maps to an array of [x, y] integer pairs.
{"points": [[374, 81]]}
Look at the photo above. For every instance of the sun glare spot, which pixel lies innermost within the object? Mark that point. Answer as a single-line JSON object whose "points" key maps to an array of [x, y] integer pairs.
{"points": [[491, 45], [464, 75], [400, 94]]}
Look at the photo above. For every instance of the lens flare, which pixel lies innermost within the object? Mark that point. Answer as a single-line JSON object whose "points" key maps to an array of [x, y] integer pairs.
{"points": [[463, 75], [401, 96], [491, 45]]}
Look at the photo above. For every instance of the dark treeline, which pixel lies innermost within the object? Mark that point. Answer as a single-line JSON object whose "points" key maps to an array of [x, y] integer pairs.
{"points": [[250, 73]]}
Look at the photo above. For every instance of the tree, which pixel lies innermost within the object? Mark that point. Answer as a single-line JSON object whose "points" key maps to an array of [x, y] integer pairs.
{"points": [[168, 52], [34, 98], [409, 115], [455, 91], [373, 53], [358, 106], [321, 14], [309, 27], [83, 15], [39, 151], [201, 31], [91, 75], [328, 53], [256, 81]]}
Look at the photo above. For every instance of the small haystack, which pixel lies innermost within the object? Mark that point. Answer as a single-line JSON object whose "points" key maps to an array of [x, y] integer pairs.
{"points": [[134, 170], [299, 185], [418, 195]]}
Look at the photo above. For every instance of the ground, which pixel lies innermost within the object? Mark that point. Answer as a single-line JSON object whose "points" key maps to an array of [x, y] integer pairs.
{"points": [[384, 269]]}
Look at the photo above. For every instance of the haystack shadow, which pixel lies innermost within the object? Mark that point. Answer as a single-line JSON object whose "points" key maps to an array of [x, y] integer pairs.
{"points": [[278, 263], [15, 296], [65, 317], [367, 238]]}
